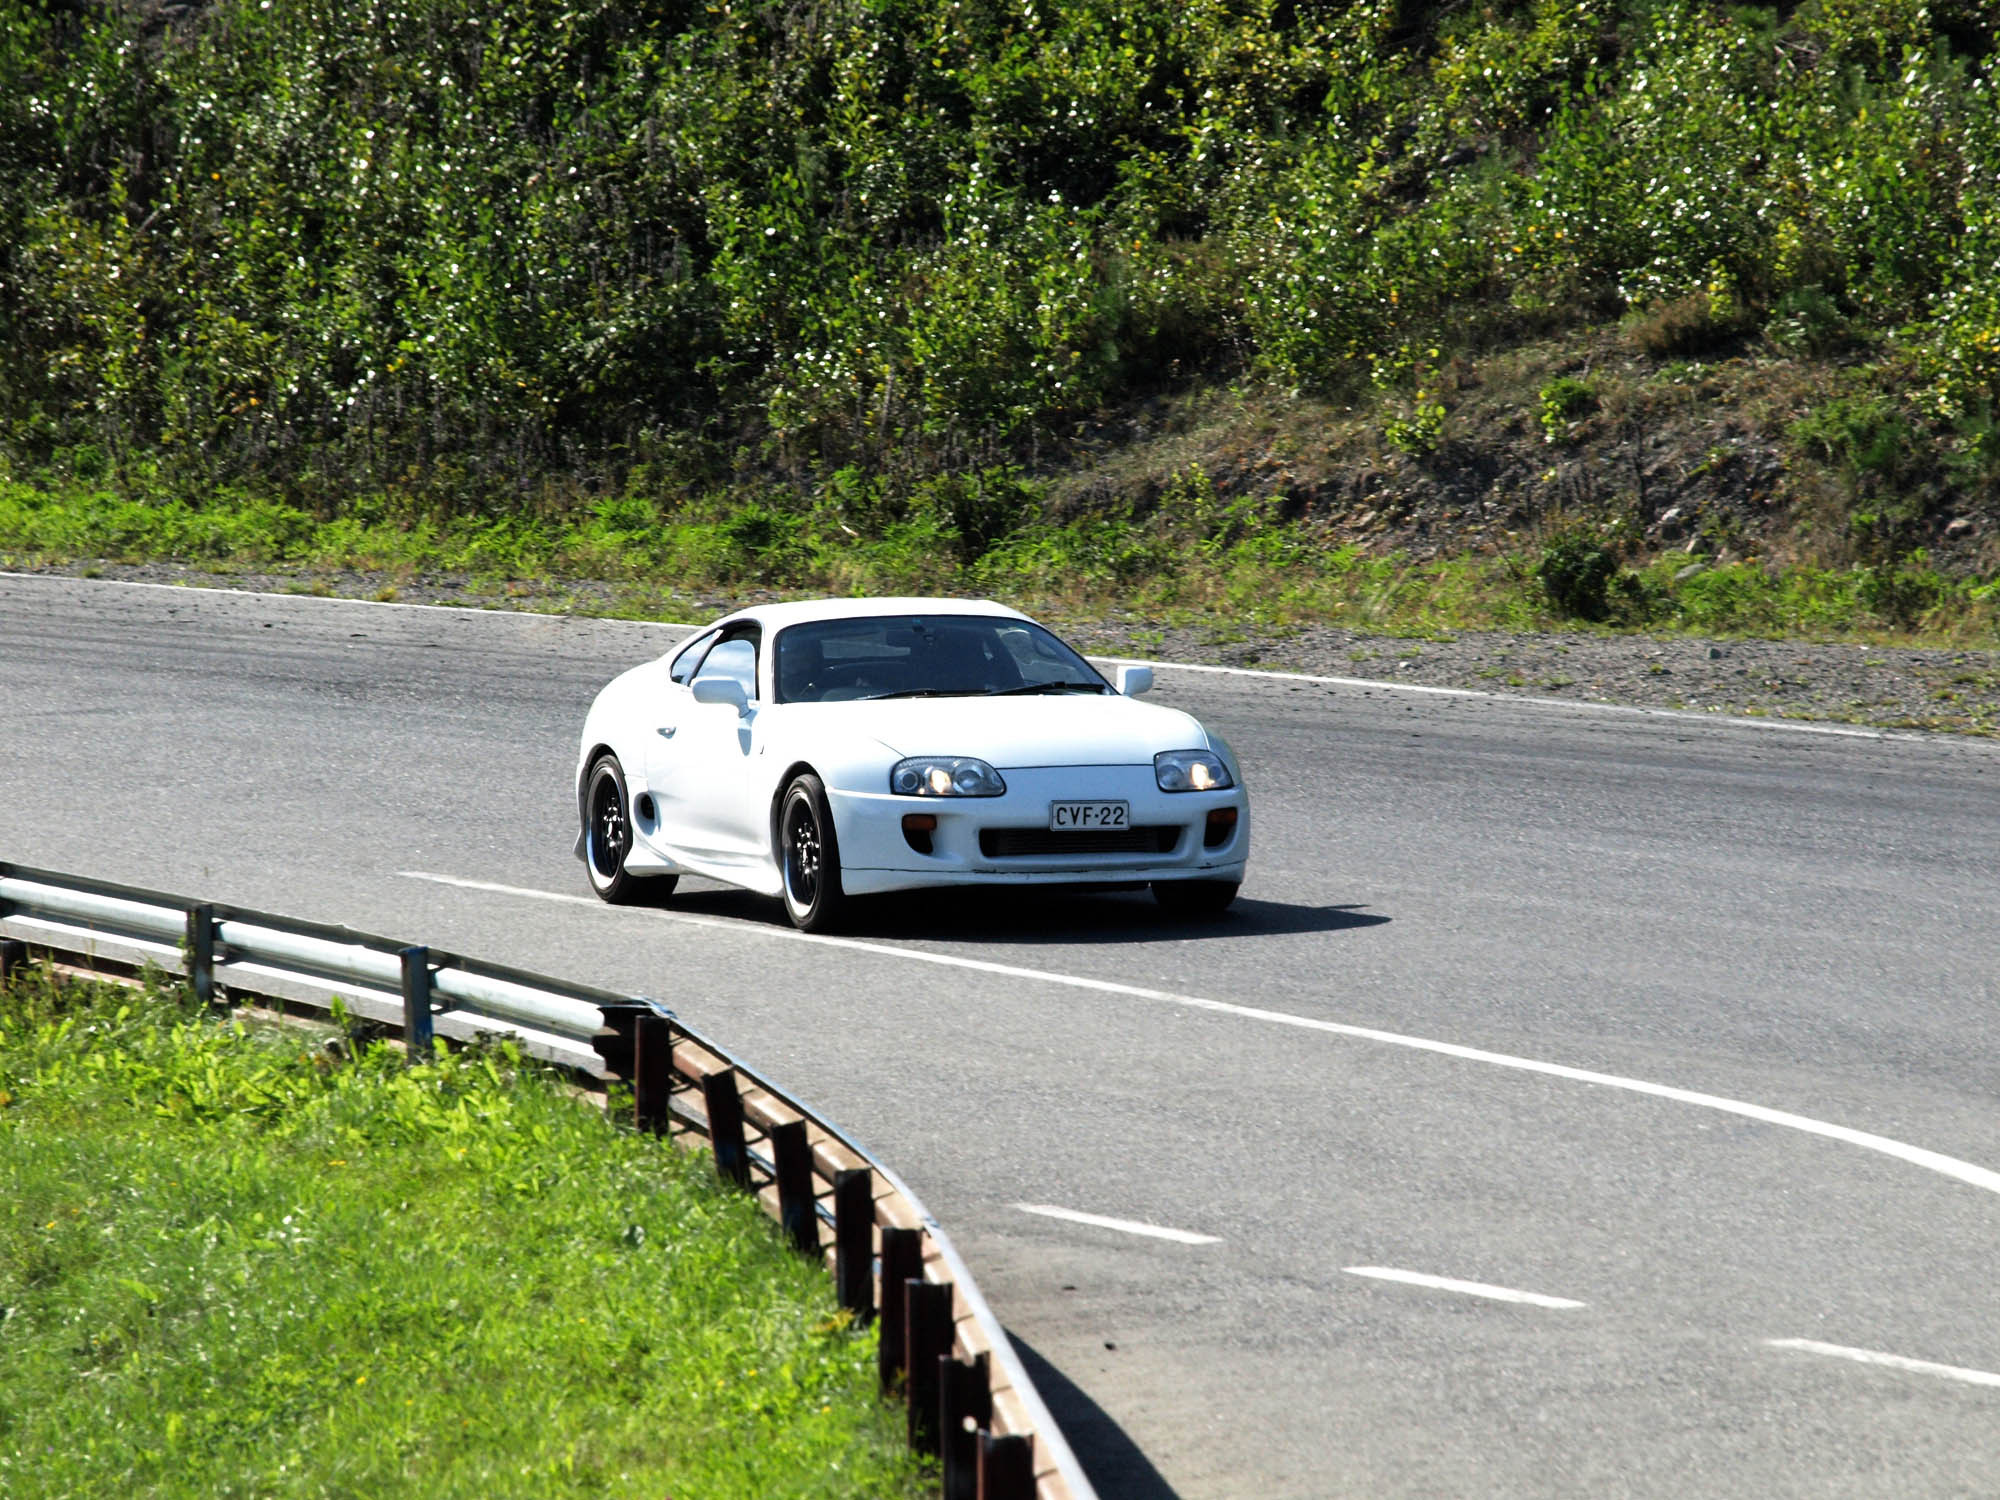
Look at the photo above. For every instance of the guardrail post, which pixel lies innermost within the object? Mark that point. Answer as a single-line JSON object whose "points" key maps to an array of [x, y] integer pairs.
{"points": [[1006, 1467], [725, 1126], [965, 1405], [652, 1074], [13, 955], [854, 1241], [927, 1340], [201, 953], [791, 1159], [417, 1034], [902, 1258]]}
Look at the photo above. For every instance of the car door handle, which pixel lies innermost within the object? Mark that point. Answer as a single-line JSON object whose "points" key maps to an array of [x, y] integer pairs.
{"points": [[667, 731]]}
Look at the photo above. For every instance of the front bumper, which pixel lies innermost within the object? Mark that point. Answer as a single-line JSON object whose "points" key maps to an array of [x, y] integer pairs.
{"points": [[876, 856]]}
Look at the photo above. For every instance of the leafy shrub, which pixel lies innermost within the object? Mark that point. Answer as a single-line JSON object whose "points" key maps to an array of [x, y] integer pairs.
{"points": [[1806, 321], [1559, 403], [1576, 572], [1865, 434]]}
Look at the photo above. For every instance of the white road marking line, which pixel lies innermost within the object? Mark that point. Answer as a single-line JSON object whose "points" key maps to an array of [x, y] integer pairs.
{"points": [[1890, 1361], [1792, 726], [1469, 1288], [1931, 1161], [198, 589], [1123, 1226]]}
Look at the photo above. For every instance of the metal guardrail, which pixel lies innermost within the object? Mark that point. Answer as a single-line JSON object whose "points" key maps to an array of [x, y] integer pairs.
{"points": [[970, 1399]]}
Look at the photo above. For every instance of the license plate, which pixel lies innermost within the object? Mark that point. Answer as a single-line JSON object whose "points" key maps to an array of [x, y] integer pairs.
{"points": [[1076, 817]]}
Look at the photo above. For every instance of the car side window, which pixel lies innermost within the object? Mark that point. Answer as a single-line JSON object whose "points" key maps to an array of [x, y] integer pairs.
{"points": [[688, 662], [735, 658]]}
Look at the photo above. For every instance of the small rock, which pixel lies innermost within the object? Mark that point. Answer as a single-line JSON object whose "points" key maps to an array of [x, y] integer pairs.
{"points": [[1671, 522], [1695, 544], [1692, 570], [1716, 653], [1958, 528]]}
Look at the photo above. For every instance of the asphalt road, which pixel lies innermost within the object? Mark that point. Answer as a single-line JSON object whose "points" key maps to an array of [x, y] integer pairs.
{"points": [[1806, 923]]}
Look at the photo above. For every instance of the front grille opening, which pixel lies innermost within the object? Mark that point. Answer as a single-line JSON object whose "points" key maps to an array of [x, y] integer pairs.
{"points": [[1022, 843]]}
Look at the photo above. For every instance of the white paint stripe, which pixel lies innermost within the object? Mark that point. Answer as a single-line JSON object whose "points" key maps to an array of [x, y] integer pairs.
{"points": [[1889, 1361], [1469, 1288], [1932, 1161], [1791, 726], [1123, 1226], [344, 599]]}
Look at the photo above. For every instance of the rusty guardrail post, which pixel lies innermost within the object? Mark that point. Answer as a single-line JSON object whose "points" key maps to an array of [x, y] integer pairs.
{"points": [[201, 952], [1006, 1468], [927, 1335], [965, 1405], [791, 1161], [418, 1037], [902, 1259], [725, 1126], [854, 1241], [652, 1073]]}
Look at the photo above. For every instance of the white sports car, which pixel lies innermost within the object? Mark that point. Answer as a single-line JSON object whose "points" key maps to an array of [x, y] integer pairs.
{"points": [[845, 747]]}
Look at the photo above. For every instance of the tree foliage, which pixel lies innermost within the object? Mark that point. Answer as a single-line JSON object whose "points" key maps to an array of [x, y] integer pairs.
{"points": [[463, 249]]}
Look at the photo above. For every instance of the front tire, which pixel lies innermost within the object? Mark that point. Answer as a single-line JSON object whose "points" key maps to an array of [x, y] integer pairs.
{"points": [[1195, 898], [809, 856], [607, 838]]}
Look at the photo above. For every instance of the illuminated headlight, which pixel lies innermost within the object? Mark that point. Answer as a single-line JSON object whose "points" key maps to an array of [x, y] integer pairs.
{"points": [[944, 776], [1191, 771]]}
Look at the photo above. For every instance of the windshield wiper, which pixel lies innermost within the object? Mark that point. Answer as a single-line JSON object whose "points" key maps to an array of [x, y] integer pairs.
{"points": [[1048, 687], [923, 693]]}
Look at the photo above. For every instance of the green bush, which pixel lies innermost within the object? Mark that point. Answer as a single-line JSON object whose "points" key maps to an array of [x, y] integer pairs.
{"points": [[1576, 571], [1561, 402]]}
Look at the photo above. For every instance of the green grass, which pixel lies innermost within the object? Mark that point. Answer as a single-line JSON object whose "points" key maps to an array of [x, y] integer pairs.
{"points": [[231, 1265], [1198, 562]]}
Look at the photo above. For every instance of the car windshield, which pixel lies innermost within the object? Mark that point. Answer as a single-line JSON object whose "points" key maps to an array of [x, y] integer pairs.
{"points": [[916, 656]]}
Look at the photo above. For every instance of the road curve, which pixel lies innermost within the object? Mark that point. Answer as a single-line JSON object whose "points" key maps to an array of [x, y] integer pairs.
{"points": [[1474, 1133]]}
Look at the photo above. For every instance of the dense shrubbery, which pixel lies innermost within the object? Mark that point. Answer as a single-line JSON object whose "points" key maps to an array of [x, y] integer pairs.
{"points": [[478, 255]]}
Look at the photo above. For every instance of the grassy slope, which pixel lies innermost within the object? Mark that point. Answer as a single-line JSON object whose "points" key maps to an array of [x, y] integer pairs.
{"points": [[231, 1266], [1293, 309]]}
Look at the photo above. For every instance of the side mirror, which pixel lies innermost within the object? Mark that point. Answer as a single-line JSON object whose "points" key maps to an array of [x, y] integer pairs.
{"points": [[1132, 681], [721, 690]]}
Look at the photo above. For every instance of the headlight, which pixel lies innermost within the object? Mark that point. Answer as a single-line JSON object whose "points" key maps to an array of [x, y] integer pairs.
{"points": [[1191, 771], [945, 776]]}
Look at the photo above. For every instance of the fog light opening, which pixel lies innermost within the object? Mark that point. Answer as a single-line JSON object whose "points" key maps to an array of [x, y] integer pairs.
{"points": [[917, 830], [1221, 824], [643, 806]]}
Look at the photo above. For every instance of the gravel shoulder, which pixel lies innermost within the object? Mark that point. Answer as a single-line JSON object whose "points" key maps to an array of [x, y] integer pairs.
{"points": [[1942, 690]]}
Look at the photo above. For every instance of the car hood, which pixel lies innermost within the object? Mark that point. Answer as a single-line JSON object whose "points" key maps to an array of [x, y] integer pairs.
{"points": [[1055, 729]]}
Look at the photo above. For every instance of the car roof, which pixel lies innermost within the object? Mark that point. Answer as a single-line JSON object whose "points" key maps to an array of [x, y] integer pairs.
{"points": [[775, 617]]}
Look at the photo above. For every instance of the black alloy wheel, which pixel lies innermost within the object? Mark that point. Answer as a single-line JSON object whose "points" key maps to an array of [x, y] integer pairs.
{"points": [[607, 838], [809, 856]]}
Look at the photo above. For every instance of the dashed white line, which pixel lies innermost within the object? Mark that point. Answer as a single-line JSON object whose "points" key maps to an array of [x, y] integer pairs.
{"points": [[1123, 1226], [1467, 1288], [1970, 1173], [1888, 1361]]}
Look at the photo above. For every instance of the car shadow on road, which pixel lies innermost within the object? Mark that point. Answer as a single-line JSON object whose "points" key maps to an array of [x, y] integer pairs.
{"points": [[1111, 1461], [1045, 915]]}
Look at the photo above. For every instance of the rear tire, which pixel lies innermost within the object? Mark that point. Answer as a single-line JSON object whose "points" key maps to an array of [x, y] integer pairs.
{"points": [[1195, 898], [809, 857], [607, 840]]}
